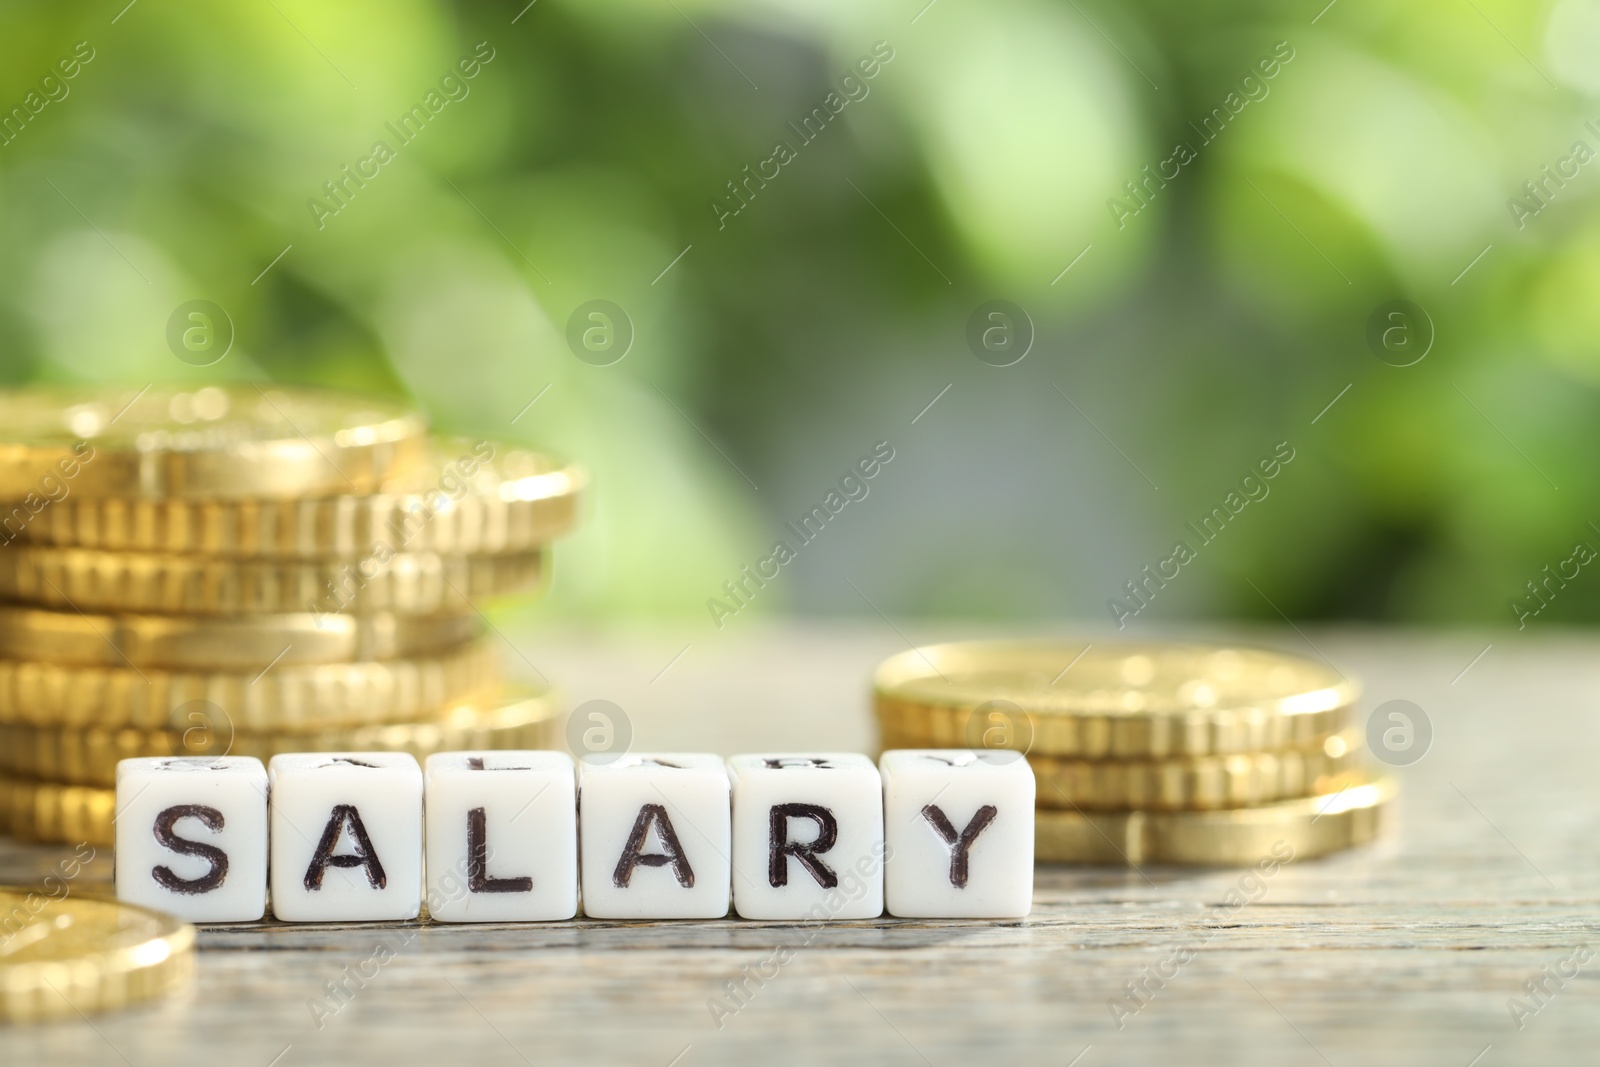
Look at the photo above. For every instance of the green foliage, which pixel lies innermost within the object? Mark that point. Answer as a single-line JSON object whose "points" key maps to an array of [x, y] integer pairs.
{"points": [[817, 309]]}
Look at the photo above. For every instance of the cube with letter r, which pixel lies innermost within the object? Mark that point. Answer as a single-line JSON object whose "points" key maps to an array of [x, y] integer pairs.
{"points": [[192, 837], [960, 829], [807, 836], [346, 836]]}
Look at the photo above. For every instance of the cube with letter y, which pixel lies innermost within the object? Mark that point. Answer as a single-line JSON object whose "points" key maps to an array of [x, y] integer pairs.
{"points": [[192, 836], [502, 836], [654, 831], [960, 831], [807, 836], [346, 836]]}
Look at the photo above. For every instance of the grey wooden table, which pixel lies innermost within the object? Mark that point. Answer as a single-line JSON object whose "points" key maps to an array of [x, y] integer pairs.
{"points": [[1405, 952]]}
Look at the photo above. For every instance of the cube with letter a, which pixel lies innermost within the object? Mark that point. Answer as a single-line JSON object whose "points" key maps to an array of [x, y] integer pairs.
{"points": [[959, 826], [807, 836], [346, 836], [502, 831], [192, 837], [654, 833]]}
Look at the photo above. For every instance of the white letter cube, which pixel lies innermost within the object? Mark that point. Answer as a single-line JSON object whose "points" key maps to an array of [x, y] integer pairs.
{"points": [[192, 837], [502, 836], [959, 826], [807, 836], [346, 836], [654, 830]]}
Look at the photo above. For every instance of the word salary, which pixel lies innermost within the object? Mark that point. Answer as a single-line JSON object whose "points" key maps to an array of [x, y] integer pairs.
{"points": [[366, 836]]}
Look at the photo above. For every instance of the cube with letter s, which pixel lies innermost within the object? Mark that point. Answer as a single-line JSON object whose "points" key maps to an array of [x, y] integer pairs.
{"points": [[191, 836]]}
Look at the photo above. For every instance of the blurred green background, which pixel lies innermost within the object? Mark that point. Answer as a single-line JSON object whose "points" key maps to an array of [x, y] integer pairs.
{"points": [[1174, 347]]}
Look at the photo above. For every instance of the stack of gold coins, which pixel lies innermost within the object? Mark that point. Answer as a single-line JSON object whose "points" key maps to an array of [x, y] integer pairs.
{"points": [[250, 570], [1151, 753]]}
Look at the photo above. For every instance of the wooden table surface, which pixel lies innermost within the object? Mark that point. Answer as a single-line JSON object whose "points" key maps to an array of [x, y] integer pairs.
{"points": [[1405, 952]]}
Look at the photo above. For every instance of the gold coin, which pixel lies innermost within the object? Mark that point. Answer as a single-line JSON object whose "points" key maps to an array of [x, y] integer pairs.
{"points": [[1109, 700], [235, 642], [1300, 828], [469, 498], [410, 583], [295, 697], [89, 756], [62, 956], [1196, 782], [216, 441], [49, 811], [1187, 783]]}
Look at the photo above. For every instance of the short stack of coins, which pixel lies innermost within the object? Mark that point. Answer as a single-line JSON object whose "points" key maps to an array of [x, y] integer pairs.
{"points": [[1151, 753], [251, 570]]}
